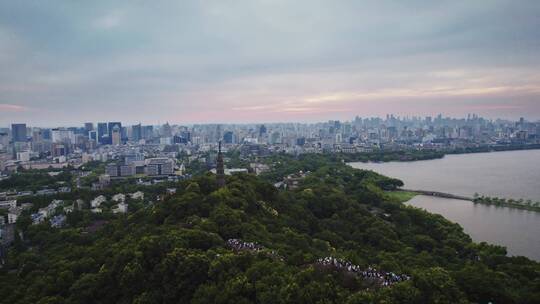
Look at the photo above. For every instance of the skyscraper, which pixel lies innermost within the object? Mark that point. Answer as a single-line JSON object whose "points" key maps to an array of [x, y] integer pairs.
{"points": [[136, 132], [110, 127], [262, 130], [93, 135], [116, 136], [148, 132], [37, 136], [18, 132], [166, 130], [88, 126], [228, 137], [102, 132]]}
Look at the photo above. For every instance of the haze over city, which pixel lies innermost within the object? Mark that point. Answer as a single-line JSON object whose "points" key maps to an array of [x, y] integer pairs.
{"points": [[270, 151], [266, 61]]}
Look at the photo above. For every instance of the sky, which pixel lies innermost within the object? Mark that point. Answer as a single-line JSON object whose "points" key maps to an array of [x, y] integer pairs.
{"points": [[67, 62]]}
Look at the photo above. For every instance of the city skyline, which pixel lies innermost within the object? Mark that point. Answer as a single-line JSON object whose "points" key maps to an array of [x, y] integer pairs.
{"points": [[266, 61], [386, 117]]}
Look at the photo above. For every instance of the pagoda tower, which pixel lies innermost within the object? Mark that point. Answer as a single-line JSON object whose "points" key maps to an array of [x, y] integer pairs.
{"points": [[220, 168]]}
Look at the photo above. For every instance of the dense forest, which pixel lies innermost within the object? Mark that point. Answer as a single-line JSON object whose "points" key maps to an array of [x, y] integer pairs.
{"points": [[36, 179], [178, 250]]}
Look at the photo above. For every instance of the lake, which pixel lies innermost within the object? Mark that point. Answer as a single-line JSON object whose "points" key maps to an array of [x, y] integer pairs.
{"points": [[509, 174]]}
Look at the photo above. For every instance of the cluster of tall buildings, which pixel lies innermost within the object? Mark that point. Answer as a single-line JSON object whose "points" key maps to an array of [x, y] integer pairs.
{"points": [[113, 140]]}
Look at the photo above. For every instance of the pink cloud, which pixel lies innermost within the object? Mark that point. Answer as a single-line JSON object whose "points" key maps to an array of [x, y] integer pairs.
{"points": [[12, 108]]}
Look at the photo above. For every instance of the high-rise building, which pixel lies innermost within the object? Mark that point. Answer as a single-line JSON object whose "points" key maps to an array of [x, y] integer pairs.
{"points": [[92, 135], [116, 138], [136, 132], [186, 135], [102, 132], [124, 134], [37, 136], [61, 135], [110, 127], [262, 130], [228, 137], [46, 133], [4, 139], [88, 126], [148, 132], [18, 132], [166, 130]]}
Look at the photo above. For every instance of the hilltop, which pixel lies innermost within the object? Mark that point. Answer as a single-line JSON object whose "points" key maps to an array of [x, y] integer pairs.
{"points": [[249, 242]]}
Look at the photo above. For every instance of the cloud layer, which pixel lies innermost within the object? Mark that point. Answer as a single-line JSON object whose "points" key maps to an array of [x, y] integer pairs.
{"points": [[249, 61]]}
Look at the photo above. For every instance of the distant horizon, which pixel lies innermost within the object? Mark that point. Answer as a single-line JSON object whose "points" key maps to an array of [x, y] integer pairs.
{"points": [[160, 123]]}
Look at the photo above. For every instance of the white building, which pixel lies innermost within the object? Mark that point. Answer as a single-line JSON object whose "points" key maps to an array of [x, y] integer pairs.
{"points": [[13, 214], [49, 210], [98, 201], [23, 156], [8, 204], [137, 195], [119, 197], [121, 208], [63, 135]]}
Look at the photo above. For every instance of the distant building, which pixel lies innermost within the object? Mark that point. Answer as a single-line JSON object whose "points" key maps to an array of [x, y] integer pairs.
{"points": [[120, 170], [136, 132], [121, 208], [228, 137], [58, 221], [8, 204], [116, 136], [96, 202], [18, 132], [110, 127], [88, 126], [231, 171], [50, 209], [137, 195], [120, 197], [23, 156], [105, 179], [148, 132], [93, 135], [159, 166], [61, 135], [13, 214], [102, 133]]}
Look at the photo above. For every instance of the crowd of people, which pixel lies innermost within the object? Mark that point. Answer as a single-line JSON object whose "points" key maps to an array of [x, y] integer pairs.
{"points": [[385, 278], [382, 278], [237, 245]]}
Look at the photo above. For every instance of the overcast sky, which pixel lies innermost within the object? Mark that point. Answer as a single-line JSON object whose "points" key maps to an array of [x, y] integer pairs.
{"points": [[66, 62]]}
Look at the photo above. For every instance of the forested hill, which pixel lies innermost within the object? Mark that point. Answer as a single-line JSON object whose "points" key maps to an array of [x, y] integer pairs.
{"points": [[180, 250]]}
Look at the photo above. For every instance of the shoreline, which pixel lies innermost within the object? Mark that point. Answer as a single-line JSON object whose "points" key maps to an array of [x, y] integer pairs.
{"points": [[464, 198], [420, 155], [498, 203]]}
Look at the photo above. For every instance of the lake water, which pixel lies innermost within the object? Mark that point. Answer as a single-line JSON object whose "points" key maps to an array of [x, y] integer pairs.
{"points": [[511, 174]]}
